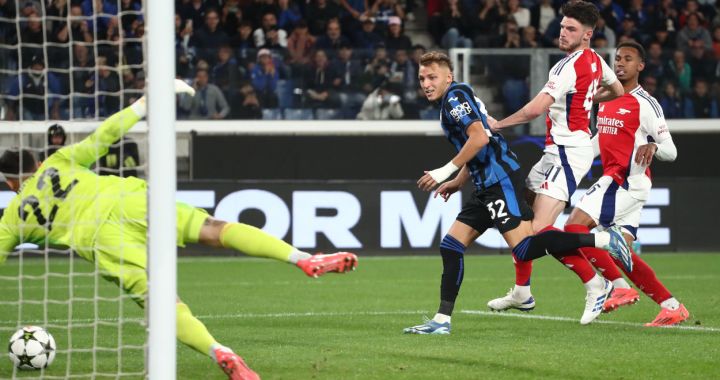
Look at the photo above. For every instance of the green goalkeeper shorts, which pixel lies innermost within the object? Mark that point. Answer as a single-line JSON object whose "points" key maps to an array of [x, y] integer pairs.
{"points": [[121, 242]]}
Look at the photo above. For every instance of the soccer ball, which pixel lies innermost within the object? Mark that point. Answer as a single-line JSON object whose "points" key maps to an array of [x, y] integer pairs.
{"points": [[31, 347]]}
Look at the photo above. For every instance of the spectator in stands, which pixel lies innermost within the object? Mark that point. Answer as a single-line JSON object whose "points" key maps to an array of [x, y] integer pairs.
{"points": [[244, 43], [599, 42], [666, 37], [183, 53], [529, 38], [382, 10], [134, 87], [28, 89], [210, 37], [601, 29], [265, 76], [693, 30], [487, 25], [542, 15], [700, 104], [108, 87], [269, 23], [122, 159], [671, 101], [552, 33], [402, 77], [665, 17], [80, 29], [381, 104], [649, 84], [319, 83], [231, 16], [456, 19], [612, 12], [366, 39], [131, 10], [716, 42], [319, 13], [272, 43], [629, 29], [680, 71], [654, 61], [332, 39], [193, 10], [519, 13], [83, 77], [395, 39], [101, 11], [133, 44], [348, 81], [59, 33], [354, 12], [376, 70], [701, 61], [8, 31], [246, 105], [300, 46], [289, 14], [511, 37], [638, 13], [32, 38], [691, 7], [208, 102], [226, 73]]}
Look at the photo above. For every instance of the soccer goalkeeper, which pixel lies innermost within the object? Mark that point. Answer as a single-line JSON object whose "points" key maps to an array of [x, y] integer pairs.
{"points": [[61, 202]]}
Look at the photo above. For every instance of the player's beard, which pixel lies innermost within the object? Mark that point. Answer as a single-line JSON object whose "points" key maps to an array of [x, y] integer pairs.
{"points": [[571, 48]]}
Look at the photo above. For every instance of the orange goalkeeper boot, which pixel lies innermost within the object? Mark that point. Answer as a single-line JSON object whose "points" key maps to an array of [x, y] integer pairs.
{"points": [[234, 366], [319, 264], [620, 297], [668, 317]]}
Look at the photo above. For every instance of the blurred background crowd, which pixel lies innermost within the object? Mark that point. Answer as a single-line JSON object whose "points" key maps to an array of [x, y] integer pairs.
{"points": [[327, 59]]}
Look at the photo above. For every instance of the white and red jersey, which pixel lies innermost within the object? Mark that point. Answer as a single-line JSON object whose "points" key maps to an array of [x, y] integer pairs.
{"points": [[573, 82], [624, 124]]}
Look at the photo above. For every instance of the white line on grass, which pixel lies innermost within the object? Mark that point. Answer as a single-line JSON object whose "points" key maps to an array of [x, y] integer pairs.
{"points": [[311, 314]]}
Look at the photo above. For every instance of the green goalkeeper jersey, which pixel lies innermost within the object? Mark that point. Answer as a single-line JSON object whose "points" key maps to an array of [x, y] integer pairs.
{"points": [[64, 202]]}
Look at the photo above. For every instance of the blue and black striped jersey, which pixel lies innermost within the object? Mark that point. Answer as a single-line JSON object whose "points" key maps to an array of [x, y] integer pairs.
{"points": [[460, 108]]}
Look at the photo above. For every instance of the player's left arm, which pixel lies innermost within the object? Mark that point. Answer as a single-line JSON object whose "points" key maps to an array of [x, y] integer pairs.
{"points": [[662, 145], [91, 148]]}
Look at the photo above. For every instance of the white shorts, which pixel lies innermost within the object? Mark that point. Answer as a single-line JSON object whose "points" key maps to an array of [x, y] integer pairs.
{"points": [[560, 170], [610, 204]]}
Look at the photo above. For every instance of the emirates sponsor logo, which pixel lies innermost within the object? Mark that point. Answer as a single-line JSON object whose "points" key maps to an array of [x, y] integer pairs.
{"points": [[610, 122]]}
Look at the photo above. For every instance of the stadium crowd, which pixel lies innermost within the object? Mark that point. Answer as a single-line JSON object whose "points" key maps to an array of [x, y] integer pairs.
{"points": [[326, 59]]}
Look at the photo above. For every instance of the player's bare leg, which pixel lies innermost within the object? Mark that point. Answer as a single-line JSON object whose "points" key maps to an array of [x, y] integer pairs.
{"points": [[254, 242]]}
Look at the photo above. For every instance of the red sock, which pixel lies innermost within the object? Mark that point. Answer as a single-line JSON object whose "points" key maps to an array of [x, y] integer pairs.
{"points": [[644, 277], [599, 258], [575, 262], [523, 270]]}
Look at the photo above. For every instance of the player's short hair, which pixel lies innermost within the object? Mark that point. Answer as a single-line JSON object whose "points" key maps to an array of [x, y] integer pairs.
{"points": [[12, 159], [440, 58], [633, 45], [585, 12]]}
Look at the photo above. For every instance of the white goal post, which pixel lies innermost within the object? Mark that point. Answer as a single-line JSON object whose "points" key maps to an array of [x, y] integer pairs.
{"points": [[162, 249]]}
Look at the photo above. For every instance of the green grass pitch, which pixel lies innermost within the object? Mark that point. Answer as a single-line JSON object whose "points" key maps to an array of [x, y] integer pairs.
{"points": [[288, 326]]}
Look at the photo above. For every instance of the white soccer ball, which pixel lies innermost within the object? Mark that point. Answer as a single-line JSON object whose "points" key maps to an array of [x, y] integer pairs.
{"points": [[31, 347]]}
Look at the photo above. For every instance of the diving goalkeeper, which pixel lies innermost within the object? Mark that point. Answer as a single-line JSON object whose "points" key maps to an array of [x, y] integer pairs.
{"points": [[61, 202]]}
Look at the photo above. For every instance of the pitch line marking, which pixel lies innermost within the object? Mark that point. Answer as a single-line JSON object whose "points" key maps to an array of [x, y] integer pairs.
{"points": [[380, 313]]}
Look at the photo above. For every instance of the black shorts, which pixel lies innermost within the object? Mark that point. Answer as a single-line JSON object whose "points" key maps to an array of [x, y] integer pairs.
{"points": [[501, 205]]}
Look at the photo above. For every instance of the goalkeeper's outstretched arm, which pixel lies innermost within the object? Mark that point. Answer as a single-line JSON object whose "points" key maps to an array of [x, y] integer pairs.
{"points": [[90, 149]]}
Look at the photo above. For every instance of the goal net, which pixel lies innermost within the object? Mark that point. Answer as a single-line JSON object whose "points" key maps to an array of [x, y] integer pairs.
{"points": [[74, 64]]}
